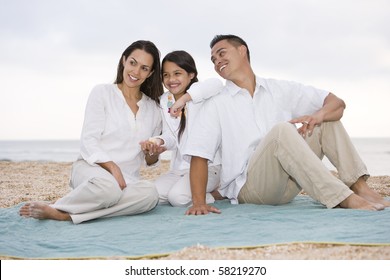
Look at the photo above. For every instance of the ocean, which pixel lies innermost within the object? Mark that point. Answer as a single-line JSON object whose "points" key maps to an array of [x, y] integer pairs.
{"points": [[375, 152]]}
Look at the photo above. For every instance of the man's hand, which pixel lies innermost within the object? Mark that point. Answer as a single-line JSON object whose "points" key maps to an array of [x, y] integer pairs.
{"points": [[308, 124], [203, 209]]}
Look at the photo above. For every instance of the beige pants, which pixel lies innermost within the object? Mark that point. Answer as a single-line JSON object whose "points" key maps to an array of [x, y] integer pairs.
{"points": [[96, 194], [284, 163]]}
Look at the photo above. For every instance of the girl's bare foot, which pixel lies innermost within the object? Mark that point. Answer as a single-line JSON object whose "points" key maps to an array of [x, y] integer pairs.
{"points": [[42, 211], [354, 201], [363, 190]]}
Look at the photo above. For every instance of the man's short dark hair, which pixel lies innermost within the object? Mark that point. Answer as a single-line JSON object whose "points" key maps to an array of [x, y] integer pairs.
{"points": [[232, 39]]}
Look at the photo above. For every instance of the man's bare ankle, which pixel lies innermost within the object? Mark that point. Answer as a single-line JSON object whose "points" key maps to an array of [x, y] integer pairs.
{"points": [[354, 201]]}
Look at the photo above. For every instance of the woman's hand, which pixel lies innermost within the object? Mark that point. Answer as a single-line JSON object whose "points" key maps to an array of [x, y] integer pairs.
{"points": [[152, 148], [115, 171]]}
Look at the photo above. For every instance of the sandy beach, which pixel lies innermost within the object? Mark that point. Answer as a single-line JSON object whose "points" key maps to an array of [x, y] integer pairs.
{"points": [[48, 181]]}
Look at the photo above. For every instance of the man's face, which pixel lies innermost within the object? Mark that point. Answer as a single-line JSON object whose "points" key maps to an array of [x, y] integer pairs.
{"points": [[226, 58]]}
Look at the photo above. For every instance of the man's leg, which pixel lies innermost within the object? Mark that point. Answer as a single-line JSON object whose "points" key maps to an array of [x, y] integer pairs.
{"points": [[283, 155], [331, 139]]}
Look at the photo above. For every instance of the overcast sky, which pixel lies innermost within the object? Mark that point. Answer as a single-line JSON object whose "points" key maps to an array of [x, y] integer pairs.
{"points": [[53, 52]]}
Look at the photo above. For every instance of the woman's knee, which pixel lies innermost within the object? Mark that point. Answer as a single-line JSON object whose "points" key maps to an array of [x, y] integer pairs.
{"points": [[105, 190], [148, 193]]}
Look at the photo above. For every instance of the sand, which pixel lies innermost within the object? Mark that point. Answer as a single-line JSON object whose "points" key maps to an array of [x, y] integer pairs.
{"points": [[48, 181]]}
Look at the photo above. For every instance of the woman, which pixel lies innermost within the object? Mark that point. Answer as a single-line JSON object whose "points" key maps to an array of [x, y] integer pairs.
{"points": [[106, 179], [179, 75]]}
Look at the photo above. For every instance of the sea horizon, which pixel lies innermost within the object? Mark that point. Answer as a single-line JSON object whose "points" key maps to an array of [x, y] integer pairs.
{"points": [[375, 152]]}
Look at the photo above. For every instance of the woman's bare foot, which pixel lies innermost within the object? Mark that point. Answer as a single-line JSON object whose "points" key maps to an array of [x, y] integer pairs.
{"points": [[42, 211], [363, 190], [354, 201]]}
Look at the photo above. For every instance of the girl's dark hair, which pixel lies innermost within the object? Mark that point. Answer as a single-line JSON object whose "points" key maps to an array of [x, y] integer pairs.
{"points": [[232, 39], [184, 60], [152, 86]]}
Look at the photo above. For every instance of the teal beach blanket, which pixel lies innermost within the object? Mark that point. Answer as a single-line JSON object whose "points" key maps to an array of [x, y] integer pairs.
{"points": [[166, 229]]}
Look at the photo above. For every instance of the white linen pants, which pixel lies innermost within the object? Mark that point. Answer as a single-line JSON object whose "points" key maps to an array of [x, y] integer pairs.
{"points": [[284, 163], [96, 194], [174, 187]]}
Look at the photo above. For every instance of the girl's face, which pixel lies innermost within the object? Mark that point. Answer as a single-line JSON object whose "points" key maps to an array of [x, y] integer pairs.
{"points": [[176, 79], [137, 68]]}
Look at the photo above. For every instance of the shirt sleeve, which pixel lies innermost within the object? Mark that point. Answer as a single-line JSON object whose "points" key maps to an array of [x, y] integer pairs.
{"points": [[205, 136], [299, 99], [201, 91], [166, 135], [93, 127]]}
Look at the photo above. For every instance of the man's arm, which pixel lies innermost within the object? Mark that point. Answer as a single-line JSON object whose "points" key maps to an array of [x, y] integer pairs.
{"points": [[332, 110], [198, 181]]}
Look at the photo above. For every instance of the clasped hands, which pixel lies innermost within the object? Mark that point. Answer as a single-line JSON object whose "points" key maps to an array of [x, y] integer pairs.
{"points": [[152, 147]]}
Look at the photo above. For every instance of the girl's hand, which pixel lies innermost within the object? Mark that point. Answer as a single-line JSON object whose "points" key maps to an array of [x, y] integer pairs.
{"points": [[176, 108]]}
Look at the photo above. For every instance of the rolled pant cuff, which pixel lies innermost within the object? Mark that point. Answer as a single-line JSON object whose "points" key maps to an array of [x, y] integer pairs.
{"points": [[361, 173], [337, 200]]}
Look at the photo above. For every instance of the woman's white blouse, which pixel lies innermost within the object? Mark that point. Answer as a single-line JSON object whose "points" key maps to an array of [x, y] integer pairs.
{"points": [[111, 131]]}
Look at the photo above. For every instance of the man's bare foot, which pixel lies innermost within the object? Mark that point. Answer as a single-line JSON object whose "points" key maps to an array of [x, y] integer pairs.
{"points": [[354, 201], [217, 195], [363, 190], [42, 211]]}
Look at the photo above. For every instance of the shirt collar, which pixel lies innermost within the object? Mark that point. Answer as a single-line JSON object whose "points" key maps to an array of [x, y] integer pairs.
{"points": [[144, 97], [233, 89]]}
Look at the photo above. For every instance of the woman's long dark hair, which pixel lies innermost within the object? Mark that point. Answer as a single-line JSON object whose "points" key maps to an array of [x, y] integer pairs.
{"points": [[185, 61], [152, 86]]}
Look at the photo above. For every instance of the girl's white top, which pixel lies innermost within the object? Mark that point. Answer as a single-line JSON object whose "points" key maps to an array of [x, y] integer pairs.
{"points": [[199, 92]]}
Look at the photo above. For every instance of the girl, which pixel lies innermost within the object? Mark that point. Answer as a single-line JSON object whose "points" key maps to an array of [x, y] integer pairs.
{"points": [[179, 75]]}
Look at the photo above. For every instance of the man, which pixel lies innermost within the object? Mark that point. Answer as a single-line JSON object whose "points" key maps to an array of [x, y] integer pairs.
{"points": [[265, 158]]}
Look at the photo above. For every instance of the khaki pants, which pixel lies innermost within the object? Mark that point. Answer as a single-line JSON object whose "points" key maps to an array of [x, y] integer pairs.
{"points": [[96, 194], [284, 163]]}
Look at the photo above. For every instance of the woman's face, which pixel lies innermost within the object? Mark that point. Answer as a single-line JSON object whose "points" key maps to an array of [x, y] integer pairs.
{"points": [[176, 79], [137, 68]]}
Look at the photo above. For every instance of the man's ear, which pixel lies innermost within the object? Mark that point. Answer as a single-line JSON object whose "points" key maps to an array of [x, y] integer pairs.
{"points": [[242, 50]]}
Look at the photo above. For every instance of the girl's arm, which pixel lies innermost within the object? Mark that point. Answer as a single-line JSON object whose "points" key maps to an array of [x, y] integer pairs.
{"points": [[198, 92]]}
